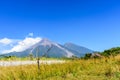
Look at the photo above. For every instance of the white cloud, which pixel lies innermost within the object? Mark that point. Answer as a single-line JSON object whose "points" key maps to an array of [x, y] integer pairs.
{"points": [[6, 41], [30, 34], [24, 44]]}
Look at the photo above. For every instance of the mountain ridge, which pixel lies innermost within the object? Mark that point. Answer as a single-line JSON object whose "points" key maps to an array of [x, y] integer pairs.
{"points": [[45, 47]]}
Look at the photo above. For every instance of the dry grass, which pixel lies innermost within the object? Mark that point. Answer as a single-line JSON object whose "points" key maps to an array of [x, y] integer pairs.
{"points": [[93, 69]]}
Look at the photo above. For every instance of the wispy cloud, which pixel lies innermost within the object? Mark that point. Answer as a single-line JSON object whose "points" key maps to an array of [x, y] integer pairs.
{"points": [[6, 41], [30, 34]]}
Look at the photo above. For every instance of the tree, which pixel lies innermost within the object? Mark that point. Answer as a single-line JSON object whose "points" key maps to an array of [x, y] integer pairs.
{"points": [[31, 57], [87, 56]]}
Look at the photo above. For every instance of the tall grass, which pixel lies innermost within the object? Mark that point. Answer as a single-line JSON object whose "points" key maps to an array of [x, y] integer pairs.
{"points": [[92, 69]]}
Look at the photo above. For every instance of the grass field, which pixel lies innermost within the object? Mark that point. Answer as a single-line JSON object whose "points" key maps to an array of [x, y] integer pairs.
{"points": [[92, 69], [26, 58]]}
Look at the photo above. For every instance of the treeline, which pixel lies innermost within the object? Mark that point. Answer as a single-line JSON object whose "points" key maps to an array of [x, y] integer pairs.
{"points": [[106, 53]]}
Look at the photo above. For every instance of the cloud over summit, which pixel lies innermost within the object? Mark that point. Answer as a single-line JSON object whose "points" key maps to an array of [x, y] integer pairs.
{"points": [[22, 44]]}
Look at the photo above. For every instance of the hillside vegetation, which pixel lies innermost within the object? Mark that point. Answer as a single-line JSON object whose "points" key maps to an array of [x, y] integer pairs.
{"points": [[111, 52], [106, 53]]}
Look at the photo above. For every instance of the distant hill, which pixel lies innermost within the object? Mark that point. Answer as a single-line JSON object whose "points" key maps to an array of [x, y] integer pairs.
{"points": [[106, 53], [111, 52]]}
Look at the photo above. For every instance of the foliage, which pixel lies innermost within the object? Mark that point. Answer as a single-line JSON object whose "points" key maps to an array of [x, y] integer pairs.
{"points": [[87, 56], [106, 53], [111, 52]]}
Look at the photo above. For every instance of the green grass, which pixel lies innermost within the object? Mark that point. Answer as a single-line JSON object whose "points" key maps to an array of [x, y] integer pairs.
{"points": [[92, 69]]}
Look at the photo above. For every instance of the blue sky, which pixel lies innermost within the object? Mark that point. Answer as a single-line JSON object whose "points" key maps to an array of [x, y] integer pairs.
{"points": [[91, 23]]}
